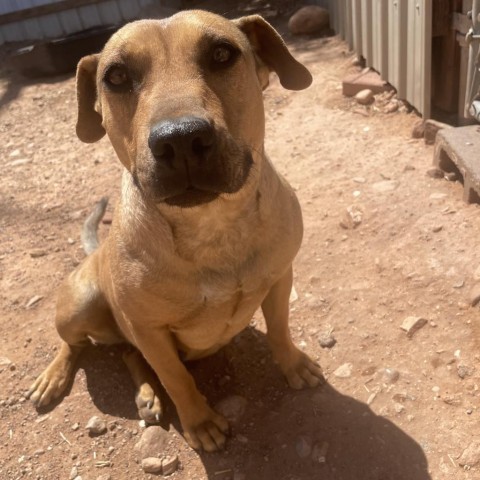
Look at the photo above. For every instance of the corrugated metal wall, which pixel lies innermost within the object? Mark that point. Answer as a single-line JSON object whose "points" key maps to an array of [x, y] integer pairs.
{"points": [[54, 25], [395, 38]]}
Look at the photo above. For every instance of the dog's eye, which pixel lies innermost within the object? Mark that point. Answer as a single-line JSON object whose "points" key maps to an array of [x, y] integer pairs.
{"points": [[224, 54], [117, 76]]}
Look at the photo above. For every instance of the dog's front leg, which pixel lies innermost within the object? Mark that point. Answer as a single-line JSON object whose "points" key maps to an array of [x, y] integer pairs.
{"points": [[203, 428], [301, 371]]}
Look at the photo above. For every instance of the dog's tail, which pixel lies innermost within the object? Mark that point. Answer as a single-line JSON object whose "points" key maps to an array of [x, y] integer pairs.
{"points": [[89, 232]]}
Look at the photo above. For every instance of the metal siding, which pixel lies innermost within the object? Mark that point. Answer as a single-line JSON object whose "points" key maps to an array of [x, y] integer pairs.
{"points": [[357, 26], [107, 12], [397, 47], [110, 13], [395, 38]]}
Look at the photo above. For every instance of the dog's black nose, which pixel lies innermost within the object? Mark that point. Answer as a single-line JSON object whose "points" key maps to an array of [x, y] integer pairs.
{"points": [[188, 137]]}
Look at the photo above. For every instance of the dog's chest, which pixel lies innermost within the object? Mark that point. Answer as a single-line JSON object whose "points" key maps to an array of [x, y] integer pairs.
{"points": [[220, 307]]}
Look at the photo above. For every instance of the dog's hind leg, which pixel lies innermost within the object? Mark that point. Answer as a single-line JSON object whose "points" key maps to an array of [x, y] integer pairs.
{"points": [[146, 383], [82, 316]]}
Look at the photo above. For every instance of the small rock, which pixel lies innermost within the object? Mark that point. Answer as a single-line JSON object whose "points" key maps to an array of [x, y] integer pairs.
{"points": [[232, 408], [38, 253], [96, 426], [153, 442], [437, 228], [359, 179], [470, 456], [398, 407], [450, 176], [352, 218], [33, 301], [464, 371], [73, 473], [319, 453], [15, 153], [391, 107], [303, 446], [435, 173], [476, 274], [390, 376], [75, 426], [169, 465], [105, 476], [326, 340], [437, 195], [344, 371], [4, 361], [408, 168], [385, 186], [152, 465], [475, 295], [364, 97], [309, 19], [454, 400], [418, 130], [412, 325], [19, 162]]}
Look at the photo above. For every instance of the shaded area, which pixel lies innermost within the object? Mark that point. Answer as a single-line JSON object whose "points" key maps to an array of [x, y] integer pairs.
{"points": [[281, 430]]}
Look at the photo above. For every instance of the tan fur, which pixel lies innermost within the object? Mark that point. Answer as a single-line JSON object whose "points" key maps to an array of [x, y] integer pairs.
{"points": [[181, 282]]}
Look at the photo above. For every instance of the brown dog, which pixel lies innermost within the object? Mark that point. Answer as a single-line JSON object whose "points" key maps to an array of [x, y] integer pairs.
{"points": [[206, 229]]}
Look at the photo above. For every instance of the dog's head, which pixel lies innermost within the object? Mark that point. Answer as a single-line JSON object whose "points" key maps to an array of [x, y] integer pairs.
{"points": [[181, 101]]}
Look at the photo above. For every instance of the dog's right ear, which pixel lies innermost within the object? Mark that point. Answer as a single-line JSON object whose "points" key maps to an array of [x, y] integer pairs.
{"points": [[89, 121]]}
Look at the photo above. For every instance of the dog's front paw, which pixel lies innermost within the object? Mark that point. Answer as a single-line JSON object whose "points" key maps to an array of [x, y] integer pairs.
{"points": [[300, 370], [148, 404], [50, 384], [209, 432]]}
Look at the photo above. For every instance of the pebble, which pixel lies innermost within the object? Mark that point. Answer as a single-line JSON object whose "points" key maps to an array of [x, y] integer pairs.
{"points": [[390, 375], [385, 186], [326, 340], [437, 196], [38, 253], [319, 453], [364, 97], [476, 273], [359, 179], [105, 476], [352, 218], [391, 107], [470, 456], [435, 173], [15, 153], [464, 371], [437, 228], [96, 426], [293, 294], [73, 473], [418, 130], [152, 465], [309, 19], [169, 465], [153, 442], [475, 295], [232, 408], [75, 426], [19, 162], [344, 371], [4, 361], [303, 446], [412, 324], [33, 301]]}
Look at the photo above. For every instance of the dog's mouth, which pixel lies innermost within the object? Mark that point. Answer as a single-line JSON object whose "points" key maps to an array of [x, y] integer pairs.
{"points": [[191, 197]]}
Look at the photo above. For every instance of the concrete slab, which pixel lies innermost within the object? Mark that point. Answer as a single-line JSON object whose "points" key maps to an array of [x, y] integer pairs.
{"points": [[457, 151]]}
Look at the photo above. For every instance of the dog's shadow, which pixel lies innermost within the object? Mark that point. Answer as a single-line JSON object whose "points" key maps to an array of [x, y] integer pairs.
{"points": [[282, 434]]}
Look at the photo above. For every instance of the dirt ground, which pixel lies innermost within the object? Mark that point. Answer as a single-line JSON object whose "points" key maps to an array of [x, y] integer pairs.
{"points": [[413, 254]]}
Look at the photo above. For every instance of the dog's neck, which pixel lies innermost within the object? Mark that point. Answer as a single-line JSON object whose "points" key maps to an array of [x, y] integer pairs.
{"points": [[229, 224]]}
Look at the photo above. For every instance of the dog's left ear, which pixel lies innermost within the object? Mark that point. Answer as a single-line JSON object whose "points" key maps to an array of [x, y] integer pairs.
{"points": [[273, 52]]}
